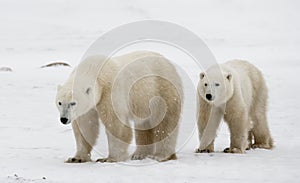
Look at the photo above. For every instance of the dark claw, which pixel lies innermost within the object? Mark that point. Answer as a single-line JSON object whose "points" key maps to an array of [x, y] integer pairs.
{"points": [[104, 160], [197, 151], [101, 160], [203, 151], [226, 150]]}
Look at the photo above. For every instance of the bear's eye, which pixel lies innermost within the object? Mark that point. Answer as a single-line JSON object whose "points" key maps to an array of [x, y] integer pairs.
{"points": [[73, 103], [59, 103], [217, 84], [205, 84]]}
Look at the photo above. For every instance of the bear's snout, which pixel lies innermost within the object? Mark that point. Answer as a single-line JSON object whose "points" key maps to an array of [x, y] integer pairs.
{"points": [[209, 97], [64, 120]]}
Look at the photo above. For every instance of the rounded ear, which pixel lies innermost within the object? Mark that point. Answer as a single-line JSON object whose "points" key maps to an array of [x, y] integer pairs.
{"points": [[202, 74], [59, 87], [229, 76], [88, 90]]}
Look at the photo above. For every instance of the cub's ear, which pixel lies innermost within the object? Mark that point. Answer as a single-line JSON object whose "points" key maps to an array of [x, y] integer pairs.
{"points": [[88, 90], [59, 87], [202, 74], [229, 76]]}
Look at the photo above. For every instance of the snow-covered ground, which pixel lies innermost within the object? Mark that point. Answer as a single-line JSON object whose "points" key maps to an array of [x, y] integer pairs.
{"points": [[34, 144]]}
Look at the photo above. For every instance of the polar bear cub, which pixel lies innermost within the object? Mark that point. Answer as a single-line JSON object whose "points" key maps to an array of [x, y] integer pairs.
{"points": [[142, 87], [237, 92]]}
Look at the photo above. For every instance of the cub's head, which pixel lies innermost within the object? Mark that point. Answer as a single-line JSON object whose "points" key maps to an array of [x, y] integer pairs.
{"points": [[73, 102], [216, 87]]}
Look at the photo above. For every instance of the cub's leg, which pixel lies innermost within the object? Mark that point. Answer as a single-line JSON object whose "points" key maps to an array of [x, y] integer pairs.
{"points": [[203, 117], [86, 130], [239, 129], [262, 137], [258, 114], [209, 119]]}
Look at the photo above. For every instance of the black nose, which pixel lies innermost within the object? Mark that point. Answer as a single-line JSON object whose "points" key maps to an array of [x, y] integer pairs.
{"points": [[64, 120], [208, 96]]}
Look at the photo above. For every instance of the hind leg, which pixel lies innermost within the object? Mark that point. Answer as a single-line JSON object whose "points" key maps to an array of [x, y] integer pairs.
{"points": [[117, 148], [157, 142], [165, 138], [144, 144], [165, 148], [261, 133], [119, 137], [250, 139]]}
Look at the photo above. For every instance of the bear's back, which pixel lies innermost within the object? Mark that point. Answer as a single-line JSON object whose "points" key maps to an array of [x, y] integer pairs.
{"points": [[245, 69], [141, 74], [138, 64], [248, 78]]}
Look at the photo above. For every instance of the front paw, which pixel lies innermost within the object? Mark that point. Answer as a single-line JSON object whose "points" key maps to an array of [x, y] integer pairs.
{"points": [[106, 160], [204, 151], [233, 150], [77, 160]]}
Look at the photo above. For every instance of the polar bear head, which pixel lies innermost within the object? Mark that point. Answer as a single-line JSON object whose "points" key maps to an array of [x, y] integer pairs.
{"points": [[216, 86], [74, 101]]}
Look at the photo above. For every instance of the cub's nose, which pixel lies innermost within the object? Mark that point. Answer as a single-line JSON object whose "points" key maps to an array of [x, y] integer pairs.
{"points": [[64, 120], [208, 97]]}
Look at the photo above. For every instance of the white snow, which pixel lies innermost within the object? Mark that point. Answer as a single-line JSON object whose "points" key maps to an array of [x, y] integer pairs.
{"points": [[34, 144]]}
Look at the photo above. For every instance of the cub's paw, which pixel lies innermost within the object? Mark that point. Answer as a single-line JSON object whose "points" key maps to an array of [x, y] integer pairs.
{"points": [[233, 150], [138, 156], [204, 151], [106, 160], [77, 160]]}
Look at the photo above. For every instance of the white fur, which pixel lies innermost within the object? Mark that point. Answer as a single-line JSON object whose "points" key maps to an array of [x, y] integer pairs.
{"points": [[81, 86], [239, 94], [140, 86]]}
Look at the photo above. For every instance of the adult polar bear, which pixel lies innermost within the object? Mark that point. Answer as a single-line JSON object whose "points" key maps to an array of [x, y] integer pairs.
{"points": [[236, 91], [141, 86]]}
